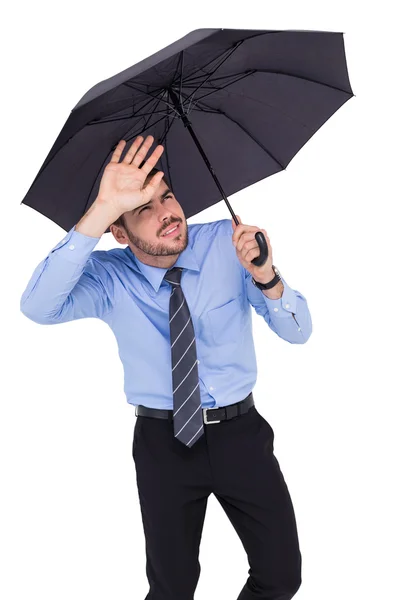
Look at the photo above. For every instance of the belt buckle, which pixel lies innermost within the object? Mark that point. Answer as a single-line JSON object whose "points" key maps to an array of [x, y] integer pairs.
{"points": [[205, 417]]}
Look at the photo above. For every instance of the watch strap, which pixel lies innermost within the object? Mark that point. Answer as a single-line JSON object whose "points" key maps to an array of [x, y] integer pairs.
{"points": [[270, 284]]}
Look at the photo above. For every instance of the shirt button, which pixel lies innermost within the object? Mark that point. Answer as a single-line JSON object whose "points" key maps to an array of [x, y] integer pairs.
{"points": [[64, 240], [211, 387], [299, 329], [287, 305], [276, 309], [198, 362], [71, 247]]}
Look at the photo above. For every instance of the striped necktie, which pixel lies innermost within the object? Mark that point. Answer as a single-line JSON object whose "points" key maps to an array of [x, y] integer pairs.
{"points": [[187, 412]]}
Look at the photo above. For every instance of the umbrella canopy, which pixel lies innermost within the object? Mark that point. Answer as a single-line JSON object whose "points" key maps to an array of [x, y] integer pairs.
{"points": [[250, 98]]}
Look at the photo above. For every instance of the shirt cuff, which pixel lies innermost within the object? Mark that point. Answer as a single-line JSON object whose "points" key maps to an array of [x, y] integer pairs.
{"points": [[75, 247], [284, 306]]}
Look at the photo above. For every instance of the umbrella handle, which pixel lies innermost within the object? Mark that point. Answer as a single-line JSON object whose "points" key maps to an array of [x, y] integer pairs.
{"points": [[262, 244]]}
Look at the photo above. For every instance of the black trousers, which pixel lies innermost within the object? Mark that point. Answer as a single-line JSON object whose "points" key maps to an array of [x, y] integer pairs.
{"points": [[234, 460]]}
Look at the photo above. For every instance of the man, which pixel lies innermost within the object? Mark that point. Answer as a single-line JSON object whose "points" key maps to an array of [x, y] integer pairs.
{"points": [[178, 299]]}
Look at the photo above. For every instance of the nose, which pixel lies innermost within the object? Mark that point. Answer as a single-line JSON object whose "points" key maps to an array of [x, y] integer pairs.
{"points": [[166, 218], [165, 215]]}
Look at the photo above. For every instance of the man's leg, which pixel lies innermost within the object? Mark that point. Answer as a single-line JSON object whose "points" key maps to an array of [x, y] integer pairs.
{"points": [[173, 484], [254, 495]]}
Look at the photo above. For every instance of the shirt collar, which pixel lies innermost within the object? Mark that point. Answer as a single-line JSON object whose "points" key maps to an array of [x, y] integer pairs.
{"points": [[155, 275]]}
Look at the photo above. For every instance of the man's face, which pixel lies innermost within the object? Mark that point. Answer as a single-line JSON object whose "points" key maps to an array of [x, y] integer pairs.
{"points": [[146, 225]]}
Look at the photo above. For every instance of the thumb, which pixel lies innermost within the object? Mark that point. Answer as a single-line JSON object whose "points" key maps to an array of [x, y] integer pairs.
{"points": [[233, 222]]}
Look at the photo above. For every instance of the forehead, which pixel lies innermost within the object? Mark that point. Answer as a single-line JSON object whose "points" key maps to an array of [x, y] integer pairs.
{"points": [[161, 191], [161, 188]]}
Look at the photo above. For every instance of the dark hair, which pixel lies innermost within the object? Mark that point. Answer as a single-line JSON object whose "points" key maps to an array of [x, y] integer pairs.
{"points": [[120, 222]]}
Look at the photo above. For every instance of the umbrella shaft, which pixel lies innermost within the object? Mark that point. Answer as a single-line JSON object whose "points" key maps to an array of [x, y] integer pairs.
{"points": [[187, 124]]}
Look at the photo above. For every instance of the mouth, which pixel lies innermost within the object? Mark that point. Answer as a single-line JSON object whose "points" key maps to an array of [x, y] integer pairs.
{"points": [[175, 231]]}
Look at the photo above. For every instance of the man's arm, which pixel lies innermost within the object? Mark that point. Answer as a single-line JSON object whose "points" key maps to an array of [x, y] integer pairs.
{"points": [[284, 309], [70, 283], [287, 315], [275, 292]]}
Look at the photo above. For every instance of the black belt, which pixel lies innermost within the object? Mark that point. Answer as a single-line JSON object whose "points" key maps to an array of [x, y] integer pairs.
{"points": [[210, 415]]}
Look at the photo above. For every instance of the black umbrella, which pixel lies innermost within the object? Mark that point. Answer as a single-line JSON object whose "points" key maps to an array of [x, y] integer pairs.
{"points": [[250, 99]]}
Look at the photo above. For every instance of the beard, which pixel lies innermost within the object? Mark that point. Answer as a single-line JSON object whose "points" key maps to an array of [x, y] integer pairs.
{"points": [[170, 248]]}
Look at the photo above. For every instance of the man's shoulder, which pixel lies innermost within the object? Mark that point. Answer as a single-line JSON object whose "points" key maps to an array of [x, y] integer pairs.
{"points": [[211, 229], [101, 260]]}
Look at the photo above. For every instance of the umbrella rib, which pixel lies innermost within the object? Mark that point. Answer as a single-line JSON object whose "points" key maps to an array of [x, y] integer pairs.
{"points": [[166, 130], [124, 117], [151, 96], [258, 70], [119, 100], [220, 112], [137, 115], [263, 103], [250, 37], [222, 88], [250, 135], [166, 153], [251, 71], [209, 63], [140, 131], [216, 68], [213, 111], [180, 83], [272, 72], [221, 77], [333, 87], [145, 127]]}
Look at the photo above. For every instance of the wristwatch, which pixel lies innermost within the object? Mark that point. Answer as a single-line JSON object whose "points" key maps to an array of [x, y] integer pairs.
{"points": [[270, 284]]}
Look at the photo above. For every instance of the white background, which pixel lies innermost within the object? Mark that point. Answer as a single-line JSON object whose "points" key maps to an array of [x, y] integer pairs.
{"points": [[70, 518]]}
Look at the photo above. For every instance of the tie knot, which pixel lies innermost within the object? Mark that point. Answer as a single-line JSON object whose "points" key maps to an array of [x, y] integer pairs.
{"points": [[174, 275]]}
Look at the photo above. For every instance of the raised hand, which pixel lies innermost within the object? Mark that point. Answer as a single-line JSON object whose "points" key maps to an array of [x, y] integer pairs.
{"points": [[122, 184]]}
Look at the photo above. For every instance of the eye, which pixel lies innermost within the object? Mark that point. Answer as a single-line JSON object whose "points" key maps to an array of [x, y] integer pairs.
{"points": [[144, 208]]}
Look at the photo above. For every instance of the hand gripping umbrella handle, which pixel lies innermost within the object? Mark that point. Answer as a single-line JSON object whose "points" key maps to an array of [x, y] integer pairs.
{"points": [[262, 243]]}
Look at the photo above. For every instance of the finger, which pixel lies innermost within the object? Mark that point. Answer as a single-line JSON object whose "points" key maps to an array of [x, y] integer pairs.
{"points": [[152, 184], [152, 160], [134, 149], [244, 239], [134, 146], [141, 153], [252, 253], [248, 247], [118, 151], [240, 229], [234, 222]]}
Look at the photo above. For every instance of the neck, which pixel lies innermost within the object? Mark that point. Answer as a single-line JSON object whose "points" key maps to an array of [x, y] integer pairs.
{"points": [[162, 262]]}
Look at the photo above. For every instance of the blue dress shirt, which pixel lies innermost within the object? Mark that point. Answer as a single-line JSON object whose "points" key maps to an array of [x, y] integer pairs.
{"points": [[74, 282]]}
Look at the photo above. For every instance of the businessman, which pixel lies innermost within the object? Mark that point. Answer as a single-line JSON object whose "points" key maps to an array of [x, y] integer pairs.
{"points": [[178, 299]]}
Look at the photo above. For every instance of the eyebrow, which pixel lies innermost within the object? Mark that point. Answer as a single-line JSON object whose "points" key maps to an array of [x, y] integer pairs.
{"points": [[167, 191]]}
